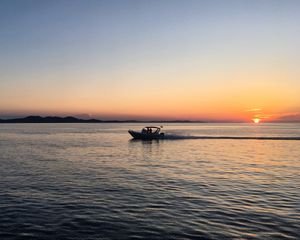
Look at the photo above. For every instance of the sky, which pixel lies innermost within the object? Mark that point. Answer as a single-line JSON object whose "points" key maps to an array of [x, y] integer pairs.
{"points": [[197, 60]]}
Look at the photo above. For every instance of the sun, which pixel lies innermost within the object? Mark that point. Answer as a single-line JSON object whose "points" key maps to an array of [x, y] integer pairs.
{"points": [[256, 120]]}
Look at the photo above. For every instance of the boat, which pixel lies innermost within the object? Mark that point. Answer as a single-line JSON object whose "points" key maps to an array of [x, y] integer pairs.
{"points": [[147, 133]]}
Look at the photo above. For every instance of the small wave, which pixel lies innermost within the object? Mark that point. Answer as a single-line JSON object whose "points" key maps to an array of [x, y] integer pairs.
{"points": [[178, 137]]}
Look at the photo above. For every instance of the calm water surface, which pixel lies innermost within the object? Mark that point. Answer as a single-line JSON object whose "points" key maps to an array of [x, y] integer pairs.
{"points": [[90, 181]]}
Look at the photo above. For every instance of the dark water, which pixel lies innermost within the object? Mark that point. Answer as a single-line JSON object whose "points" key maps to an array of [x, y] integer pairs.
{"points": [[89, 181]]}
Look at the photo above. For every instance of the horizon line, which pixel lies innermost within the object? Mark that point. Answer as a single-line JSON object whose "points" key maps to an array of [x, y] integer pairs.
{"points": [[36, 118]]}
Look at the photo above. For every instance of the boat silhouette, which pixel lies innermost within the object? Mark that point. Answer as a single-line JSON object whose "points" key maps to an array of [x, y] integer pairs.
{"points": [[148, 133]]}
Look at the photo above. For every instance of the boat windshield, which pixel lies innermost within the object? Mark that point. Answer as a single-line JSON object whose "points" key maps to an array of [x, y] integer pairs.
{"points": [[151, 130]]}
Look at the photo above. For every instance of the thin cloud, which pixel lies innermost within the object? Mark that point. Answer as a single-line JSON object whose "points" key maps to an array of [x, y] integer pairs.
{"points": [[288, 117], [263, 116], [253, 110]]}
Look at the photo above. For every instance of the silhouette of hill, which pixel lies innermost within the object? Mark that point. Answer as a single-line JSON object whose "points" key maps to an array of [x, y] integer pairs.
{"points": [[39, 119], [70, 119]]}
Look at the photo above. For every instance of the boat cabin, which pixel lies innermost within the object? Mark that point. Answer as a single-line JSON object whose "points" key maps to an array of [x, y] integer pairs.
{"points": [[151, 130]]}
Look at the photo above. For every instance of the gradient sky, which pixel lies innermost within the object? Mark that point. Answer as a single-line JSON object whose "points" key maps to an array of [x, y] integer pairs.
{"points": [[151, 59]]}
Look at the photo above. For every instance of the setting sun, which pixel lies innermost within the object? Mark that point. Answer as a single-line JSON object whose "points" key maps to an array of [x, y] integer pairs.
{"points": [[256, 120]]}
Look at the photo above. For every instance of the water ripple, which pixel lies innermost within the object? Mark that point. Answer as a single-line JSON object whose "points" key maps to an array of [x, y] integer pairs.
{"points": [[92, 183]]}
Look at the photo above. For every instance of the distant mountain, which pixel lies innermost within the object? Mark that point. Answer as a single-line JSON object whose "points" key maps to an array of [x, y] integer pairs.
{"points": [[39, 119], [54, 119]]}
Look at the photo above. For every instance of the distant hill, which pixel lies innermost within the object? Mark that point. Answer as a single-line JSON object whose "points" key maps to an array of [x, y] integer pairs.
{"points": [[54, 119], [39, 119]]}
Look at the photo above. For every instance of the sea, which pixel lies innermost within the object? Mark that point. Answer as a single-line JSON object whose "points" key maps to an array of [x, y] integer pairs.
{"points": [[92, 181]]}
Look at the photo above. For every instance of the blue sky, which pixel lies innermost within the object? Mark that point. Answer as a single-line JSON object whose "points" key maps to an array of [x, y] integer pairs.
{"points": [[74, 57]]}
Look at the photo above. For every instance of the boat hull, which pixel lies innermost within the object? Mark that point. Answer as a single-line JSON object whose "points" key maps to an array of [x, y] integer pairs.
{"points": [[145, 136]]}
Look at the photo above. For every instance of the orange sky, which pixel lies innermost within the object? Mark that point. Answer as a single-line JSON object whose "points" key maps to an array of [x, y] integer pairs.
{"points": [[181, 61]]}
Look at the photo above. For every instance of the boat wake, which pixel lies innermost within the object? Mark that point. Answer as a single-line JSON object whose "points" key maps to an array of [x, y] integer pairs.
{"points": [[178, 137]]}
